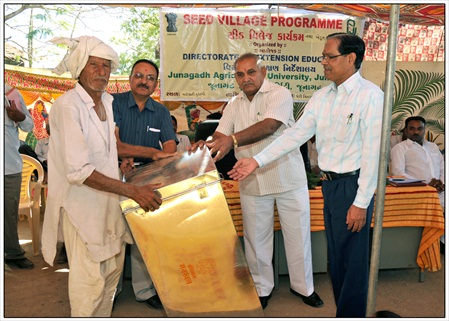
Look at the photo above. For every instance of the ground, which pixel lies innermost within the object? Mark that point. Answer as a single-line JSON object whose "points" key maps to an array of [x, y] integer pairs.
{"points": [[42, 292]]}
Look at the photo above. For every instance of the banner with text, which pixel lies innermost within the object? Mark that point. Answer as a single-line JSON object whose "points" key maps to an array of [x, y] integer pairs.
{"points": [[199, 47]]}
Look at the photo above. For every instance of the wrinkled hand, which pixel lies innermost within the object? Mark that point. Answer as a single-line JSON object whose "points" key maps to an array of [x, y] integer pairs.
{"points": [[14, 113], [220, 146], [356, 218], [127, 165], [438, 184], [147, 197], [243, 168]]}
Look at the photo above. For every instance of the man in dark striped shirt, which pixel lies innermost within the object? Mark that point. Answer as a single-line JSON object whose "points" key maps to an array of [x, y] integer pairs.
{"points": [[142, 124]]}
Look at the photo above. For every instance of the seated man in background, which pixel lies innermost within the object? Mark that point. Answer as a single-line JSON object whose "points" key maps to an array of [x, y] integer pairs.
{"points": [[41, 148], [417, 158], [41, 151], [183, 140]]}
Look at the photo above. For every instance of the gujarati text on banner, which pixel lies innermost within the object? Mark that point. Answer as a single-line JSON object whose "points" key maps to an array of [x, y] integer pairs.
{"points": [[199, 47]]}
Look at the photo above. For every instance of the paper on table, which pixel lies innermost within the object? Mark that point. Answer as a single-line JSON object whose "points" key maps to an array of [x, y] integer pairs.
{"points": [[406, 182]]}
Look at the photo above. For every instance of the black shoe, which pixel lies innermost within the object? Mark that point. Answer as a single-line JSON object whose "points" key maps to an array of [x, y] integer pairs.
{"points": [[264, 300], [154, 303], [24, 263], [313, 300], [441, 247]]}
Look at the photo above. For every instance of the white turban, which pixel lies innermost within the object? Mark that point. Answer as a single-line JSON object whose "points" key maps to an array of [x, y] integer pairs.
{"points": [[79, 51]]}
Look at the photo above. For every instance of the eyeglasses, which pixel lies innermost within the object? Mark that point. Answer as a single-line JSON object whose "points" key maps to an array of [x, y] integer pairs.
{"points": [[331, 57], [141, 76]]}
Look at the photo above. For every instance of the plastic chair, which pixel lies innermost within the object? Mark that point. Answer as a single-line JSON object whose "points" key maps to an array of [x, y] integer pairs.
{"points": [[30, 196]]}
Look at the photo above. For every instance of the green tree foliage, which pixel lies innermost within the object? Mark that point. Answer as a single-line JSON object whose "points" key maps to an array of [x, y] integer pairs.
{"points": [[38, 23], [140, 37]]}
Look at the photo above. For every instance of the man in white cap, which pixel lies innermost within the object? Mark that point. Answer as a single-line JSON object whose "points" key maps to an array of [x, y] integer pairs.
{"points": [[83, 181]]}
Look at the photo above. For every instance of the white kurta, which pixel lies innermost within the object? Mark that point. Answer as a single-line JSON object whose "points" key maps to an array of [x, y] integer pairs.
{"points": [[79, 144]]}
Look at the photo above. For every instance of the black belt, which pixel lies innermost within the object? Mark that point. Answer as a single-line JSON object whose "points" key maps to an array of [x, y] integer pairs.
{"points": [[330, 176]]}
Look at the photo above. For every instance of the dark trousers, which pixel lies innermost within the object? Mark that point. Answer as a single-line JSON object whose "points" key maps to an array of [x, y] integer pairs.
{"points": [[12, 247], [348, 251]]}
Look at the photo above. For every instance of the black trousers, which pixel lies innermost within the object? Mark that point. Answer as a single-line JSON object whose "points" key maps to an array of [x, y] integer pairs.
{"points": [[348, 251]]}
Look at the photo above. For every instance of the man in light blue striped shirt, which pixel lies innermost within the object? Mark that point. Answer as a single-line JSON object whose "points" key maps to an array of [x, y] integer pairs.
{"points": [[346, 118]]}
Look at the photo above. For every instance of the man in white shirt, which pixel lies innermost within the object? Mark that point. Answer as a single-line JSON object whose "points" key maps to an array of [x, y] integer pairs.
{"points": [[83, 192], [417, 158], [346, 118], [251, 121]]}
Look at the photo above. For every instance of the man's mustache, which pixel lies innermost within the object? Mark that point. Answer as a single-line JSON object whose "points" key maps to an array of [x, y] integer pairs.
{"points": [[101, 78], [143, 85]]}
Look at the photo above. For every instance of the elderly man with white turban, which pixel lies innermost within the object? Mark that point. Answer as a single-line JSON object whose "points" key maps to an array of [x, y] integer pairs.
{"points": [[83, 181]]}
